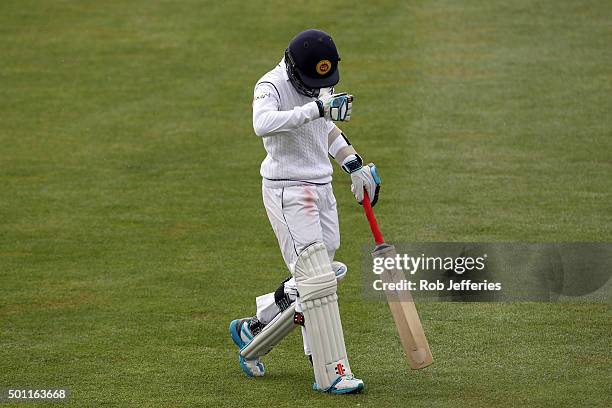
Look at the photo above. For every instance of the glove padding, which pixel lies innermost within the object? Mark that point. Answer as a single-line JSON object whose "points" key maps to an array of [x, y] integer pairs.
{"points": [[367, 178], [336, 107]]}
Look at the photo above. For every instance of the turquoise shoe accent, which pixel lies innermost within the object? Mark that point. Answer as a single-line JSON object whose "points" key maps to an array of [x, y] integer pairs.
{"points": [[332, 389], [244, 367], [245, 330], [234, 328], [355, 390]]}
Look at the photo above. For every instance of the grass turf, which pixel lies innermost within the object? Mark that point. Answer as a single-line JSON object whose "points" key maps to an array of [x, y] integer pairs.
{"points": [[131, 223]]}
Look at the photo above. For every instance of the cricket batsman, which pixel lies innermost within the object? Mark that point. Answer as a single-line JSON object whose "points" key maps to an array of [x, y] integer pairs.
{"points": [[295, 111]]}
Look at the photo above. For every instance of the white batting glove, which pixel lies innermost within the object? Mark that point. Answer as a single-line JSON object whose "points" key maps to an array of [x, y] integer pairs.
{"points": [[366, 178], [336, 107]]}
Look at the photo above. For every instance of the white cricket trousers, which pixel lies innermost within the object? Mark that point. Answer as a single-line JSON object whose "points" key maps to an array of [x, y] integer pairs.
{"points": [[299, 215]]}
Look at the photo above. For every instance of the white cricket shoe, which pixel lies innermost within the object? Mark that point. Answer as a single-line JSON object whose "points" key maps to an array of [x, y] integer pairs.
{"points": [[346, 384], [241, 336]]}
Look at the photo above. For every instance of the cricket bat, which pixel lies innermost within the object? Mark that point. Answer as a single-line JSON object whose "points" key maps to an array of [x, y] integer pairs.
{"points": [[402, 306]]}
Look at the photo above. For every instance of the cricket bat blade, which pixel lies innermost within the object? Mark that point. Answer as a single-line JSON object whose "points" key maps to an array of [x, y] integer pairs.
{"points": [[405, 315]]}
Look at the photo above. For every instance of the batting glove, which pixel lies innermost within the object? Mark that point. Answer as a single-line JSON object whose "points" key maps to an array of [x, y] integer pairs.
{"points": [[365, 177], [336, 107]]}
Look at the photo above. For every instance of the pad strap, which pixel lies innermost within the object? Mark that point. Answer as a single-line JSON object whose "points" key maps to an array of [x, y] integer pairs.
{"points": [[282, 299]]}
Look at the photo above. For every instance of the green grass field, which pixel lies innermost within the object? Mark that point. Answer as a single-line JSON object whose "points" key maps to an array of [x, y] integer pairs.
{"points": [[131, 224]]}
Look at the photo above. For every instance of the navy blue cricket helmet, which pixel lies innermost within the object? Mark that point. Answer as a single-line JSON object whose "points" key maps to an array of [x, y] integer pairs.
{"points": [[312, 62]]}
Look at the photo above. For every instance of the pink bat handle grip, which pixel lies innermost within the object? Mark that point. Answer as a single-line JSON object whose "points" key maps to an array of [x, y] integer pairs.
{"points": [[367, 207]]}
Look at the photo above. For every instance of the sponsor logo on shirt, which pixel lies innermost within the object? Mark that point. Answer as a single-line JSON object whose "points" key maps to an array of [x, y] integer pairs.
{"points": [[261, 96]]}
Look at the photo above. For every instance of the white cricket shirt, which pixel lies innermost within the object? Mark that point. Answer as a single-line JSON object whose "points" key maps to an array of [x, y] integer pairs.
{"points": [[293, 133]]}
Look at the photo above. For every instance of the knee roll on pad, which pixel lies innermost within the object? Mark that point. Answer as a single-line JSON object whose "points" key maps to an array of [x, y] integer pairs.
{"points": [[313, 273], [316, 285]]}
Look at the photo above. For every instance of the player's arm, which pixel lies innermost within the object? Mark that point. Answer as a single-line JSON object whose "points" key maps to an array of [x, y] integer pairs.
{"points": [[269, 120], [343, 152]]}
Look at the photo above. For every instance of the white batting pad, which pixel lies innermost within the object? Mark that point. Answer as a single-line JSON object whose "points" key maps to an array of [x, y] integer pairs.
{"points": [[316, 284], [271, 335]]}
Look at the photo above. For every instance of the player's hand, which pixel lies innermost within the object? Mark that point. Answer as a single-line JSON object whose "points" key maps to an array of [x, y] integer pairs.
{"points": [[336, 107], [366, 178]]}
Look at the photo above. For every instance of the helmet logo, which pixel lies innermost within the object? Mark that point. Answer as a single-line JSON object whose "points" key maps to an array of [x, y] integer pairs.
{"points": [[323, 67]]}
